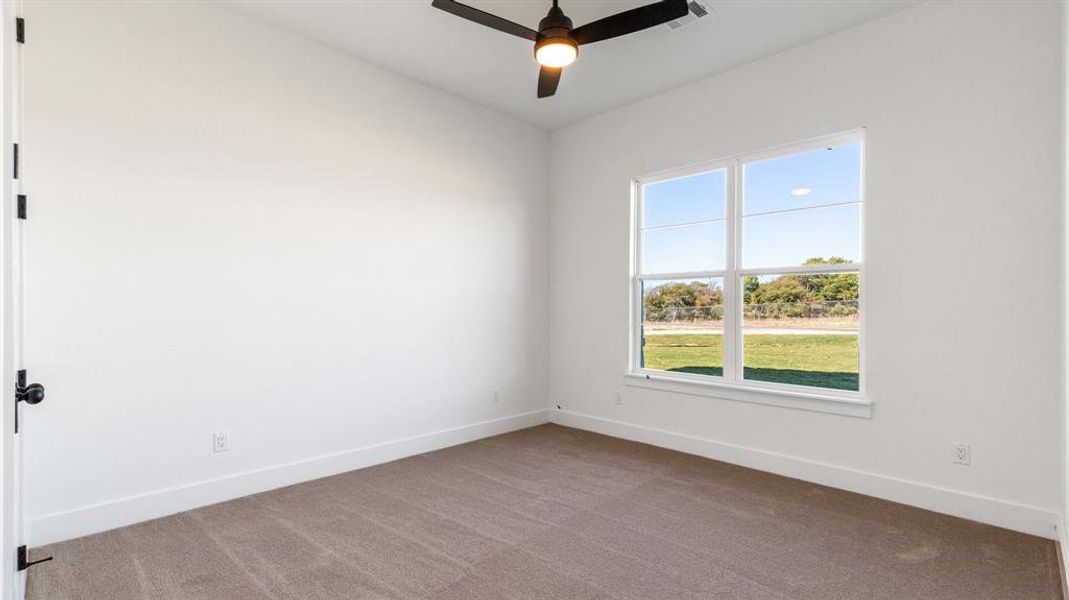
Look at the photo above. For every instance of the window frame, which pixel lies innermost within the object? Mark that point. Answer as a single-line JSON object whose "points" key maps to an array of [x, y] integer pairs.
{"points": [[732, 385]]}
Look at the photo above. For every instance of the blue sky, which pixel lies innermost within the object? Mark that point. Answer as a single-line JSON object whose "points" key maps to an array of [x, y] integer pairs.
{"points": [[781, 239]]}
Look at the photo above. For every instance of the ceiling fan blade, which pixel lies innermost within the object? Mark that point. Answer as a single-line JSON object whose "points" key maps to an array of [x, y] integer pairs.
{"points": [[631, 21], [484, 18], [548, 78]]}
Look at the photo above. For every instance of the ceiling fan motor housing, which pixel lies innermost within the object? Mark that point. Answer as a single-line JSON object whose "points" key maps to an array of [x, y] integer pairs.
{"points": [[555, 28]]}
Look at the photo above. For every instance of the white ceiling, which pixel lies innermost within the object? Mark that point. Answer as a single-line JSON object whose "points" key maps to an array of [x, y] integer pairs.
{"points": [[498, 70]]}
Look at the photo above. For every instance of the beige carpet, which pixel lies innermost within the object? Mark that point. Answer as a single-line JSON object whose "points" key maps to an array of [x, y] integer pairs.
{"points": [[552, 512]]}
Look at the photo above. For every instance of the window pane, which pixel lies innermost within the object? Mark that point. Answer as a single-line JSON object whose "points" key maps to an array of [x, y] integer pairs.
{"points": [[686, 200], [801, 329], [684, 248], [793, 238], [812, 178], [683, 325]]}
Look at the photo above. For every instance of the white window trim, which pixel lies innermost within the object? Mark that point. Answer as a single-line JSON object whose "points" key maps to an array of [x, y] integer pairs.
{"points": [[732, 386]]}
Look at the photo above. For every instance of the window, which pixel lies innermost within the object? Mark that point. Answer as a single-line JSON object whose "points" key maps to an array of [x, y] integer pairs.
{"points": [[748, 271]]}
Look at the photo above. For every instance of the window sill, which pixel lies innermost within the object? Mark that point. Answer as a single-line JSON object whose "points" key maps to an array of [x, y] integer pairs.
{"points": [[800, 400]]}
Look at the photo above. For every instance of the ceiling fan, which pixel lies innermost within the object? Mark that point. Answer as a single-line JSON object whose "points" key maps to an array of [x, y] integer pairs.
{"points": [[557, 42]]}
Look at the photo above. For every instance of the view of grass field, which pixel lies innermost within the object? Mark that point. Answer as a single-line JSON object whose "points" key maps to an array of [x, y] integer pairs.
{"points": [[798, 329], [821, 360]]}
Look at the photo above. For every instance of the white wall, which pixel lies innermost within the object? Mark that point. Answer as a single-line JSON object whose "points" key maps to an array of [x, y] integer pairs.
{"points": [[232, 228], [962, 105], [1063, 536]]}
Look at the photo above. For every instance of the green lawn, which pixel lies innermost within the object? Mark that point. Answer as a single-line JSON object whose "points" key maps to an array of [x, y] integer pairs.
{"points": [[828, 361]]}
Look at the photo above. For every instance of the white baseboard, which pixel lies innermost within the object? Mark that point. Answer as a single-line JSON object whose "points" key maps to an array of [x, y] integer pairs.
{"points": [[993, 511], [1063, 546], [126, 511]]}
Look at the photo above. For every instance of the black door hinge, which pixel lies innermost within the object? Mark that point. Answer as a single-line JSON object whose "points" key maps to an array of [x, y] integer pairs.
{"points": [[24, 562], [15, 163], [20, 30], [22, 206]]}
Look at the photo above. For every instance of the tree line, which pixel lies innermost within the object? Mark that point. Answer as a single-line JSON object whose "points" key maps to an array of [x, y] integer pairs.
{"points": [[809, 295]]}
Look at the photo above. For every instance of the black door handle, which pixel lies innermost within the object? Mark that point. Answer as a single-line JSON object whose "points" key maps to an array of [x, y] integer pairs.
{"points": [[31, 394]]}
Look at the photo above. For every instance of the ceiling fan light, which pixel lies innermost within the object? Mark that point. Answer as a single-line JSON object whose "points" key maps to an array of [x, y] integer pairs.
{"points": [[556, 52]]}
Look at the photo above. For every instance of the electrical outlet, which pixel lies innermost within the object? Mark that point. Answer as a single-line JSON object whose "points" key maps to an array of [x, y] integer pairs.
{"points": [[220, 441], [497, 396], [962, 454], [618, 396]]}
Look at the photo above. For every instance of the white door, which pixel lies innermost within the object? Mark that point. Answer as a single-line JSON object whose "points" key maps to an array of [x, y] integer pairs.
{"points": [[17, 393], [10, 513]]}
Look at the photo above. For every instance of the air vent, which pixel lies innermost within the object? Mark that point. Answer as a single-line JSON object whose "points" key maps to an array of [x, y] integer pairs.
{"points": [[697, 11]]}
